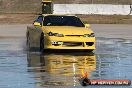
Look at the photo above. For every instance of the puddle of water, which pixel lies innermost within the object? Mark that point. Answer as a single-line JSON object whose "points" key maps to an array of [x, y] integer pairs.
{"points": [[60, 69], [21, 69], [113, 59]]}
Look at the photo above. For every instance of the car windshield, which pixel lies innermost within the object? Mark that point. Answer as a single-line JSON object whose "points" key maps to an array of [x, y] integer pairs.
{"points": [[62, 21]]}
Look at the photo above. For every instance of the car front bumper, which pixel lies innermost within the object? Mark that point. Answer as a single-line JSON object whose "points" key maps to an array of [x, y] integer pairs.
{"points": [[70, 43]]}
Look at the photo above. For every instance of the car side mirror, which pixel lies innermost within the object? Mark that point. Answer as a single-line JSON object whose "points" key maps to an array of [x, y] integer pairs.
{"points": [[36, 24], [87, 25]]}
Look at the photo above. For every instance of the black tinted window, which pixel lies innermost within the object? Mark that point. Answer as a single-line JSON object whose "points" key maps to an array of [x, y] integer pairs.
{"points": [[62, 21], [39, 19]]}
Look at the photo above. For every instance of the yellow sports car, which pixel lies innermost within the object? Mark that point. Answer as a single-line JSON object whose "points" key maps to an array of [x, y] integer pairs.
{"points": [[60, 32]]}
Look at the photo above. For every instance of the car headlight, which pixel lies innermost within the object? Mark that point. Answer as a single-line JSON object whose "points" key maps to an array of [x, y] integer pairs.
{"points": [[55, 34], [50, 34], [89, 35], [59, 35]]}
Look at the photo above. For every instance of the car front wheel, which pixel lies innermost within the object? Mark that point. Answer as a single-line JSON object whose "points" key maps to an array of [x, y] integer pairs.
{"points": [[42, 42], [28, 43]]}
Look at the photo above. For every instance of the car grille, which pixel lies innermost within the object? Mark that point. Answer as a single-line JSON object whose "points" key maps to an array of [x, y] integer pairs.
{"points": [[89, 43], [74, 35], [72, 44]]}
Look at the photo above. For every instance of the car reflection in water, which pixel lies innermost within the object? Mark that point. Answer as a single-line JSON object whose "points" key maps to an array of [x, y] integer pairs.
{"points": [[60, 69]]}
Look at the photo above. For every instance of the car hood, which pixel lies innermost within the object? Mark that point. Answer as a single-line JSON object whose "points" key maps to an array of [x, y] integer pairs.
{"points": [[66, 30]]}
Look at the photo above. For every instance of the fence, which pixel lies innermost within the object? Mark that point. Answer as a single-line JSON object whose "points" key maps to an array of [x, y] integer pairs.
{"points": [[121, 2], [103, 9]]}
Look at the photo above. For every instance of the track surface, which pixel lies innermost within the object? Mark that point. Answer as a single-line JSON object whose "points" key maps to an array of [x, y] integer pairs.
{"points": [[22, 69]]}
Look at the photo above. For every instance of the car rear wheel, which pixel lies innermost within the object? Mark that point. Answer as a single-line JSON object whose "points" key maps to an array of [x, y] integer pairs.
{"points": [[42, 42]]}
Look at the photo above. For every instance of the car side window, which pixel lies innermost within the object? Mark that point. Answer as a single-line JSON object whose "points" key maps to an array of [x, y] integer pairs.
{"points": [[39, 19]]}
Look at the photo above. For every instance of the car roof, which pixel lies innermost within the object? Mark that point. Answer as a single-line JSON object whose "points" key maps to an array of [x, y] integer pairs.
{"points": [[58, 14]]}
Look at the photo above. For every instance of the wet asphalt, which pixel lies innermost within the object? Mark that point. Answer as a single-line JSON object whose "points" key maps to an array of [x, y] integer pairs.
{"points": [[22, 69]]}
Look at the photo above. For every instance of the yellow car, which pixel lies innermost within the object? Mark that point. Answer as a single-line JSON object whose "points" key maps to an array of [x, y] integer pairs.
{"points": [[60, 32]]}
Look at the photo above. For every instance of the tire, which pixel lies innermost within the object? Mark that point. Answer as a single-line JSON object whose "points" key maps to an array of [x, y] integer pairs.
{"points": [[28, 42], [41, 43]]}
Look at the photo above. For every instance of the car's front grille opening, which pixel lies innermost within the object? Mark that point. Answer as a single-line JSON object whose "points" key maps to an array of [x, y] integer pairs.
{"points": [[89, 43], [74, 35], [72, 44], [56, 44]]}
